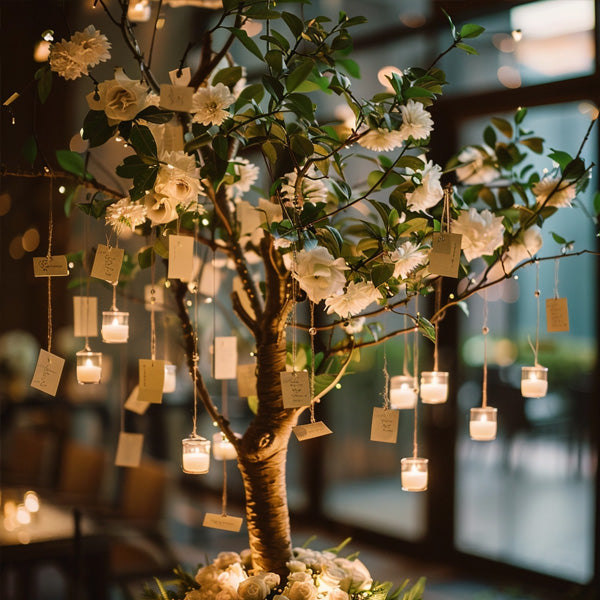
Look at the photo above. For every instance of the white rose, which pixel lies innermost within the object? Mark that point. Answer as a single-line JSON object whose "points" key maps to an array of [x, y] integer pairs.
{"points": [[207, 576], [295, 566], [481, 232], [120, 99], [549, 191], [253, 588], [177, 185], [300, 576], [525, 247], [319, 274], [429, 192], [160, 209], [226, 593], [233, 575], [337, 594], [477, 165], [302, 590], [224, 559], [330, 577], [271, 579], [358, 576], [194, 595]]}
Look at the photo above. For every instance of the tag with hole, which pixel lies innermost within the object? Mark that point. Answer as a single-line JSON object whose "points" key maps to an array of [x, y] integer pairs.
{"points": [[85, 316], [159, 297], [152, 379], [295, 389], [107, 263], [225, 522], [129, 449], [384, 426], [176, 97], [311, 430], [181, 257], [55, 266], [47, 372], [225, 357], [246, 380], [557, 315], [182, 77], [134, 405], [444, 258]]}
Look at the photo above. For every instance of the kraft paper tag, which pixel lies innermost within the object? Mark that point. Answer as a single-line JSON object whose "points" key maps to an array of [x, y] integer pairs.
{"points": [[222, 522], [181, 257], [246, 380], [107, 263], [47, 372], [129, 449], [134, 405], [311, 430], [557, 314], [54, 266], [176, 97], [295, 389], [152, 379], [444, 258], [184, 77], [159, 297], [384, 426], [225, 357], [85, 316]]}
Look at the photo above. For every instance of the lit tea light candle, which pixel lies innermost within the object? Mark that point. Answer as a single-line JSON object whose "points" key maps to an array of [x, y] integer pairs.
{"points": [[434, 387], [196, 455], [139, 11], [31, 501], [115, 327], [170, 380], [534, 382], [403, 392], [414, 474], [483, 424], [89, 367], [223, 449]]}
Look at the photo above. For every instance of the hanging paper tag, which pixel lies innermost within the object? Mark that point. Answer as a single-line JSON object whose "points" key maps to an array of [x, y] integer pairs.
{"points": [[152, 378], [182, 77], [107, 263], [55, 266], [225, 357], [222, 522], [172, 137], [295, 389], [246, 380], [85, 316], [444, 258], [557, 314], [311, 430], [47, 372], [384, 426], [181, 257], [134, 405], [176, 97], [159, 297], [129, 449]]}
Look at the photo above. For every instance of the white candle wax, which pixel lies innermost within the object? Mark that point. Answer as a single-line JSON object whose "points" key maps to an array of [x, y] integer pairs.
{"points": [[115, 333], [138, 12], [195, 462], [169, 381], [434, 393], [224, 451], [482, 430], [403, 397], [89, 373], [534, 388], [414, 481]]}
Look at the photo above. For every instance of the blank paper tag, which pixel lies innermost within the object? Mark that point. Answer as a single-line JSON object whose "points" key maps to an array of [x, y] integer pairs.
{"points": [[107, 263], [311, 430], [134, 405], [129, 449], [176, 97], [85, 316], [159, 297], [557, 314], [225, 365], [55, 266], [246, 380], [184, 78], [152, 379], [47, 372], [444, 258], [222, 522], [295, 389], [384, 426], [181, 257]]}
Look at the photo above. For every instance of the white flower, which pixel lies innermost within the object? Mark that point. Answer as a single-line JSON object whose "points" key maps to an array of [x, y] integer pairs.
{"points": [[194, 595], [312, 189], [319, 274], [246, 175], [525, 247], [359, 577], [381, 140], [94, 46], [477, 165], [66, 60], [300, 576], [481, 232], [548, 190], [406, 258], [234, 574], [337, 594], [429, 192], [355, 325], [160, 209], [353, 300], [271, 579], [120, 98], [177, 179], [330, 577], [227, 593], [416, 121], [207, 576], [210, 102], [224, 559], [125, 214], [295, 566], [253, 588], [302, 590]]}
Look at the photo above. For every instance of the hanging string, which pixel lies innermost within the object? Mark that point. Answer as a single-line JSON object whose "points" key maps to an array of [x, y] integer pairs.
{"points": [[556, 263], [312, 332], [405, 370], [294, 314], [386, 378], [114, 297], [537, 323], [152, 304], [438, 303], [224, 494], [446, 215], [416, 376], [48, 256], [485, 330]]}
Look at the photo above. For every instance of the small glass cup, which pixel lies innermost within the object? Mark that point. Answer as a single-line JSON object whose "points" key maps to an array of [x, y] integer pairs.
{"points": [[403, 391], [534, 382], [222, 448], [89, 367], [115, 327], [483, 424], [170, 381], [195, 455], [414, 474], [434, 387]]}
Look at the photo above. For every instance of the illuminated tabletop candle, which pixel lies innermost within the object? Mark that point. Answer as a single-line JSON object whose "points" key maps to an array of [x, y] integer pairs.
{"points": [[223, 449], [89, 366], [403, 392], [169, 383], [115, 327], [414, 474], [434, 387], [483, 424], [534, 382], [139, 11], [196, 455]]}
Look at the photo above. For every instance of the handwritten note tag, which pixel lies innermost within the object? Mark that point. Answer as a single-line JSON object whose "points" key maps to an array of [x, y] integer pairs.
{"points": [[158, 295], [246, 380], [54, 266], [557, 314], [129, 449], [384, 426], [311, 430], [225, 522], [107, 263], [295, 389], [176, 97], [182, 77], [47, 372], [85, 316], [133, 404], [225, 358], [444, 258], [152, 379], [181, 257]]}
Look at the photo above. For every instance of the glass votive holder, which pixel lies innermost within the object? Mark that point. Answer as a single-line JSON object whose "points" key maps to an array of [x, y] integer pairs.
{"points": [[115, 327], [222, 448], [89, 367], [534, 382], [170, 380], [483, 424], [434, 387], [403, 391], [139, 11], [414, 474], [195, 455]]}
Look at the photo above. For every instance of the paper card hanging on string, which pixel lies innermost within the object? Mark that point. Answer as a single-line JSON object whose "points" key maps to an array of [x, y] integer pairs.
{"points": [[47, 372], [311, 430], [107, 263], [181, 257], [444, 258], [159, 297], [53, 266], [85, 316], [129, 449], [225, 357], [134, 405], [384, 426], [557, 315], [225, 522], [180, 76], [246, 380], [176, 97], [295, 389], [152, 379], [172, 137]]}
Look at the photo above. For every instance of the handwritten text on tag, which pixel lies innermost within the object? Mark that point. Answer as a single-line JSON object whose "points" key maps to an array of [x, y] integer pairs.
{"points": [[222, 522], [557, 314], [152, 379], [107, 263], [47, 372], [311, 430], [295, 389], [176, 97], [53, 266], [384, 426]]}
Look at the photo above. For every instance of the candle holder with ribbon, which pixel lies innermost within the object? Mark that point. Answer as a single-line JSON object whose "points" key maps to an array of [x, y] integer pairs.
{"points": [[115, 323]]}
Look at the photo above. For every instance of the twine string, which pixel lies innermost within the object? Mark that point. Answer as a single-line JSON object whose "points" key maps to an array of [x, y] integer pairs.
{"points": [[485, 331], [312, 333], [386, 378], [416, 375]]}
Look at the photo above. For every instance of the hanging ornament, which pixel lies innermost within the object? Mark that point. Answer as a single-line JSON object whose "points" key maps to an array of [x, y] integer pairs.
{"points": [[196, 454], [89, 366], [139, 11], [404, 389], [115, 323], [170, 381], [222, 448]]}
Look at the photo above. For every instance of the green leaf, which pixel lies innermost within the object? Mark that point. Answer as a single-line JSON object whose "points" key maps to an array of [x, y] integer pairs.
{"points": [[560, 157], [249, 44], [503, 126], [71, 162], [574, 169], [30, 149], [426, 328], [44, 82], [596, 203], [273, 86], [96, 128], [301, 146], [418, 92], [468, 49], [489, 136], [535, 144], [294, 23], [381, 273], [298, 75], [143, 142], [253, 404], [452, 26], [350, 66], [558, 238], [520, 115], [145, 257], [470, 30], [153, 114], [229, 76], [302, 105]]}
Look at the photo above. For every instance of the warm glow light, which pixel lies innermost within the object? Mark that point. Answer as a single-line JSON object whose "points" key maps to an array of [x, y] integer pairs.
{"points": [[62, 189], [5, 203], [30, 239], [41, 51], [553, 18], [504, 42], [412, 20], [251, 27], [23, 515], [15, 248], [386, 72], [509, 77], [32, 502], [588, 109]]}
